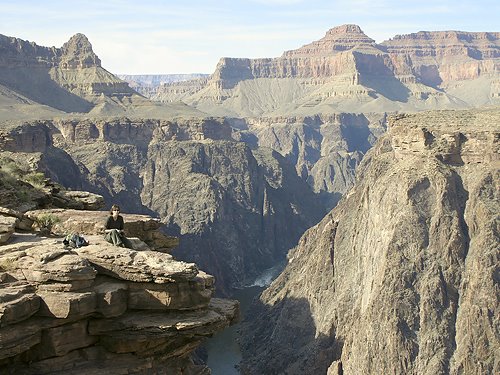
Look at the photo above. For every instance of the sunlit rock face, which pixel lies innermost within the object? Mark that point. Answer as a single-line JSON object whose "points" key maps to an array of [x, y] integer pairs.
{"points": [[237, 209], [401, 276], [346, 71], [70, 78], [102, 308]]}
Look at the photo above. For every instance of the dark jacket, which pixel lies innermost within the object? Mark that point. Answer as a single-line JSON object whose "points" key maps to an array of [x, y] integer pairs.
{"points": [[115, 224]]}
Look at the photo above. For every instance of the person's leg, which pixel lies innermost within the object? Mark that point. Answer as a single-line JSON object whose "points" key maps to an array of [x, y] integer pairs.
{"points": [[126, 242], [114, 237]]}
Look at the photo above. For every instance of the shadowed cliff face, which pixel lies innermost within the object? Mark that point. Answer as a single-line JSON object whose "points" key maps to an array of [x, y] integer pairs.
{"points": [[237, 211], [402, 276], [325, 150]]}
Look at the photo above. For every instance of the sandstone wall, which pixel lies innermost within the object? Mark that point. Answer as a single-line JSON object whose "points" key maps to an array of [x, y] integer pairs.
{"points": [[346, 71], [103, 309]]}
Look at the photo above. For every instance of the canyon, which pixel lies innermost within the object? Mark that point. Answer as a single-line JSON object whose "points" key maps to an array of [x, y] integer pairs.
{"points": [[346, 71], [238, 167], [402, 276]]}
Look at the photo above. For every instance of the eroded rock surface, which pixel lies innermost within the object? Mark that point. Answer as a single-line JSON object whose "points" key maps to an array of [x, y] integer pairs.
{"points": [[346, 71], [401, 277], [238, 209], [103, 309]]}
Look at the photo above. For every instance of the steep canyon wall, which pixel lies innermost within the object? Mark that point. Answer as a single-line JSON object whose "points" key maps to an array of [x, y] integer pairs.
{"points": [[402, 276]]}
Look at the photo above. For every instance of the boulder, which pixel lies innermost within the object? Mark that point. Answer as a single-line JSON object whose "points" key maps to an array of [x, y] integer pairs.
{"points": [[67, 304], [79, 200], [7, 228], [23, 223], [18, 302], [111, 297]]}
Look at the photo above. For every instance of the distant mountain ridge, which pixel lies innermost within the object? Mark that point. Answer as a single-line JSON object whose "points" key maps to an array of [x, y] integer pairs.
{"points": [[149, 80], [47, 82], [148, 84], [346, 71], [69, 78]]}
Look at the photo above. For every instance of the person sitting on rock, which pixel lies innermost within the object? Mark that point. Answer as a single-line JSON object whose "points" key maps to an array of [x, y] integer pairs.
{"points": [[114, 229]]}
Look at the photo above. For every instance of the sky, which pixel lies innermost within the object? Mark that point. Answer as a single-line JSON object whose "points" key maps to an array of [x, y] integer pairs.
{"points": [[190, 36]]}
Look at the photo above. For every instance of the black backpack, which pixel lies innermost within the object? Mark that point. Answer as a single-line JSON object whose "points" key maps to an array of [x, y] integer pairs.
{"points": [[74, 240]]}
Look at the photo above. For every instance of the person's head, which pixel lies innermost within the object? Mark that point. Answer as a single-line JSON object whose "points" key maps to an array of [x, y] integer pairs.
{"points": [[115, 210]]}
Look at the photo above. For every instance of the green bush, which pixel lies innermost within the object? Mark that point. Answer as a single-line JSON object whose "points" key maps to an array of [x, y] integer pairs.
{"points": [[22, 194], [47, 220], [36, 179]]}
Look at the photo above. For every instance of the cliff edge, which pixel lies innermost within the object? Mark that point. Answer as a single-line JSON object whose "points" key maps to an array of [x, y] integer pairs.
{"points": [[402, 276]]}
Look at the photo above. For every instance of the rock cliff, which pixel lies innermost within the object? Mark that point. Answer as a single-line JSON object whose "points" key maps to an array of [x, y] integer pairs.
{"points": [[402, 276], [69, 79], [236, 209], [324, 149], [147, 84], [346, 71], [102, 309]]}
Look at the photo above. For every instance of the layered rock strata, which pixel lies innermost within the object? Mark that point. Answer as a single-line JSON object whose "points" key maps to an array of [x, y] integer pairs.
{"points": [[69, 78], [103, 310], [401, 277], [237, 209], [92, 223], [346, 71]]}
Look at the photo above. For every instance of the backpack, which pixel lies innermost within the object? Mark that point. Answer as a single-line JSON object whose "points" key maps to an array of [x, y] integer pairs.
{"points": [[74, 240]]}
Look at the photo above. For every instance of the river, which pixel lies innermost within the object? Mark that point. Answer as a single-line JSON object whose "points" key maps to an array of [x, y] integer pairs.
{"points": [[223, 349]]}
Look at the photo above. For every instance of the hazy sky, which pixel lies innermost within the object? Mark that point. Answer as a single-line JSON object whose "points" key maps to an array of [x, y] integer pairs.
{"points": [[190, 36]]}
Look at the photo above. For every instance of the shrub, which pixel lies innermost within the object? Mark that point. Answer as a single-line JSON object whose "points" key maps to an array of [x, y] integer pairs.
{"points": [[47, 220], [36, 179], [8, 264]]}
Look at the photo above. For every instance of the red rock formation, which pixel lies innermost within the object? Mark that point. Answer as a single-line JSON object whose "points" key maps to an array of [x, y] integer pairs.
{"points": [[346, 64], [340, 38]]}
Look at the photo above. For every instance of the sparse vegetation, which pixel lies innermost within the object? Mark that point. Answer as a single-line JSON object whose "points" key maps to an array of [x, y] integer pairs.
{"points": [[47, 221], [8, 264], [37, 179], [18, 185]]}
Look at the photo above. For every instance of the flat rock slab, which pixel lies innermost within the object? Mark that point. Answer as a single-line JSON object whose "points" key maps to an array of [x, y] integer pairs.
{"points": [[47, 262], [93, 222], [67, 304], [138, 266], [142, 324], [80, 200]]}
